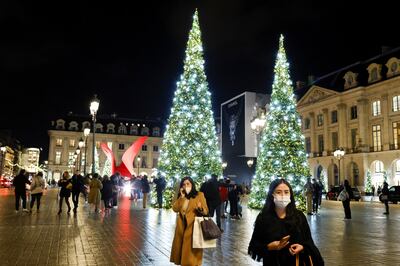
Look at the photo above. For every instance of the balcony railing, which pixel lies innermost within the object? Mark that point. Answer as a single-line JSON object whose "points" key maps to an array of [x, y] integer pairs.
{"points": [[394, 147], [376, 148]]}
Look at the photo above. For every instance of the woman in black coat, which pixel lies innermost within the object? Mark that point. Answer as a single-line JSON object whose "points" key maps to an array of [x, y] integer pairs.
{"points": [[65, 191], [281, 234], [346, 203]]}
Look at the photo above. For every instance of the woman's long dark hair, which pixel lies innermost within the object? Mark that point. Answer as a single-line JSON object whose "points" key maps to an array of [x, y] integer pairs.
{"points": [[193, 193]]}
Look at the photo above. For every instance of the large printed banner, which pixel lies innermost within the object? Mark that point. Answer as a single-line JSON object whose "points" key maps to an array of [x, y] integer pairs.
{"points": [[232, 124]]}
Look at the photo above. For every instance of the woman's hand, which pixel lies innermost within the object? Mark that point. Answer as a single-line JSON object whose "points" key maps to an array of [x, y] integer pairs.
{"points": [[182, 192], [277, 245], [295, 249]]}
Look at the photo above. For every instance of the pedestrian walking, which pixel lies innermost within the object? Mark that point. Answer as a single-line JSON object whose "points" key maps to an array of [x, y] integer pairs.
{"points": [[281, 233], [315, 196], [211, 193], [116, 180], [346, 200], [95, 192], [65, 192], [19, 183], [37, 186], [223, 194], [308, 191], [77, 186], [160, 186], [373, 190], [145, 190], [321, 189], [385, 196], [190, 203], [233, 197], [107, 193]]}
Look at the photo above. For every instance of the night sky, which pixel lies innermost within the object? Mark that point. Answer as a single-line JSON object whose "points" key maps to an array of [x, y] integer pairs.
{"points": [[55, 55]]}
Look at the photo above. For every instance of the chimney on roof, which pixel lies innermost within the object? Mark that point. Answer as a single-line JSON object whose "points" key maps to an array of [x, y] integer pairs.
{"points": [[385, 49], [311, 79], [300, 84]]}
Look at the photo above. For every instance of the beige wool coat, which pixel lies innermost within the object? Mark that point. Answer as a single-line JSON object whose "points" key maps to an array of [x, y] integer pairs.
{"points": [[94, 193], [182, 252]]}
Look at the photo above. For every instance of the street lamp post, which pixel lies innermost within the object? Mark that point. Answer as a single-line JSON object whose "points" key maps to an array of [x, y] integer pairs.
{"points": [[339, 153], [86, 133], [78, 152], [81, 143], [138, 164], [94, 106], [3, 151]]}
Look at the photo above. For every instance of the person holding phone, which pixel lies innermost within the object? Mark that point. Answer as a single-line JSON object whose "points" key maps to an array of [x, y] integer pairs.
{"points": [[190, 203], [281, 232]]}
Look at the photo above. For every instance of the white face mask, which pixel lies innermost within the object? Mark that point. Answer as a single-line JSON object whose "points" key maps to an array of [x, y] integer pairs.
{"points": [[281, 201], [187, 190]]}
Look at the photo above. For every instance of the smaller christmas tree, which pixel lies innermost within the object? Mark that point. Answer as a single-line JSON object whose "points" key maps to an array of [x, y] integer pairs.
{"points": [[107, 168], [368, 183]]}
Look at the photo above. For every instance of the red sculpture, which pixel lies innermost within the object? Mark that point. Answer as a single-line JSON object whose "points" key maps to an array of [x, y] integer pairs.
{"points": [[126, 166]]}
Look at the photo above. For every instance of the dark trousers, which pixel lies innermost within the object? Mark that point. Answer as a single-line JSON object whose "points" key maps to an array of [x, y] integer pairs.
{"points": [[315, 204], [75, 198], [387, 206], [233, 207], [36, 197], [66, 201], [159, 199], [114, 199], [347, 211], [107, 203], [18, 196], [217, 209]]}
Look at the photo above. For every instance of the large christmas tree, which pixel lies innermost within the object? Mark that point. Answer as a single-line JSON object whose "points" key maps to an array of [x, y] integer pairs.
{"points": [[282, 153], [190, 144]]}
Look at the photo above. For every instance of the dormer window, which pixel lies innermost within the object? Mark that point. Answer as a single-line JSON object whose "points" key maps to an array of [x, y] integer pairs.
{"points": [[73, 126], [122, 129], [133, 130], [99, 128], [86, 124], [110, 128], [156, 132], [350, 80], [144, 131], [374, 71], [60, 124], [393, 66]]}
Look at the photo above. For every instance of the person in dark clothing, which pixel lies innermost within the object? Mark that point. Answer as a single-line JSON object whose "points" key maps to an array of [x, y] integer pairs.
{"points": [[145, 190], [211, 193], [160, 186], [65, 191], [281, 232], [233, 197], [19, 184], [107, 193], [315, 196], [346, 203], [115, 179], [385, 193], [77, 187]]}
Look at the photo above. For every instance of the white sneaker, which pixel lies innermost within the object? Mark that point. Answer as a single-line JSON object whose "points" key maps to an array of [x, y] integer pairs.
{"points": [[25, 210]]}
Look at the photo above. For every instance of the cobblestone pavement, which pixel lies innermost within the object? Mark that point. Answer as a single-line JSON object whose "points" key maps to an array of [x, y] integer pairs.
{"points": [[130, 235]]}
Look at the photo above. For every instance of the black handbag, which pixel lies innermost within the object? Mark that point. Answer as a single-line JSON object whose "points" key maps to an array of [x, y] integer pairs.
{"points": [[210, 229]]}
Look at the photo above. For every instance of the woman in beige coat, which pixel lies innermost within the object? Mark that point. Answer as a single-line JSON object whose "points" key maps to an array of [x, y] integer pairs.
{"points": [[95, 194], [190, 204]]}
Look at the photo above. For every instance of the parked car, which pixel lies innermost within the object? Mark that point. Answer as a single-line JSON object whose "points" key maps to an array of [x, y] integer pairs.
{"points": [[5, 182], [394, 194], [334, 192]]}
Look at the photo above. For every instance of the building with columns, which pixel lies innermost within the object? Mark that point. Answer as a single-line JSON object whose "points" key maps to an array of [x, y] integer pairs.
{"points": [[118, 133], [357, 109]]}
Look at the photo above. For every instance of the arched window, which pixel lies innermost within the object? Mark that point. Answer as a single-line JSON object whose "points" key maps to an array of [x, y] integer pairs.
{"points": [[86, 124], [99, 128], [378, 167]]}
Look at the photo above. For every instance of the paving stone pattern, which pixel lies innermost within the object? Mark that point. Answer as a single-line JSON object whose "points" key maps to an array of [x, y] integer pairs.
{"points": [[130, 235]]}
